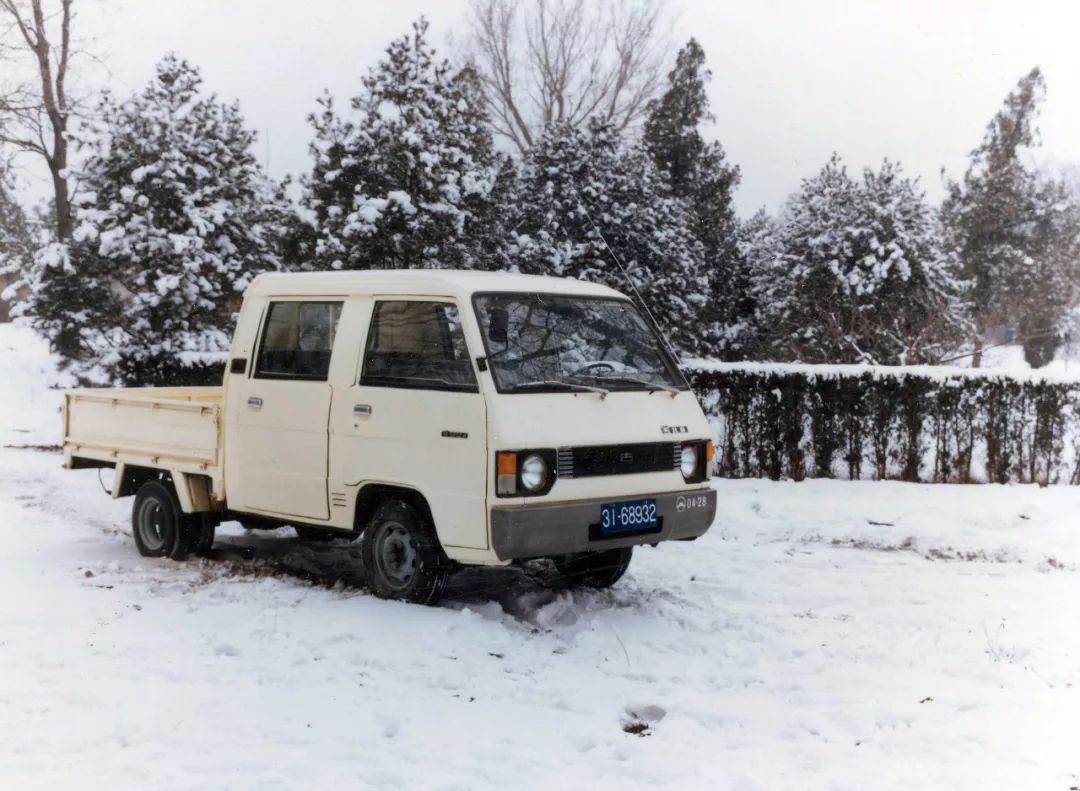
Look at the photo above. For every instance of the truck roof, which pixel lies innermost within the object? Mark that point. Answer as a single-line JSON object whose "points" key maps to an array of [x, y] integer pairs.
{"points": [[420, 282]]}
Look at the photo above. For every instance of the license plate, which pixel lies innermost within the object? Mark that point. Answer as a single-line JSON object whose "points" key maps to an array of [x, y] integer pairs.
{"points": [[628, 516]]}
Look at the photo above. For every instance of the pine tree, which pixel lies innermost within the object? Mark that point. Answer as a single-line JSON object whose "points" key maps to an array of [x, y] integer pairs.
{"points": [[16, 244], [406, 179], [487, 231], [698, 173], [590, 206], [861, 275], [177, 219], [1013, 230], [758, 245], [490, 241]]}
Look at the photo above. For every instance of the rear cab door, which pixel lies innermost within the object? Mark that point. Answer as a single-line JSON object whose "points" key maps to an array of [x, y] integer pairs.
{"points": [[278, 409]]}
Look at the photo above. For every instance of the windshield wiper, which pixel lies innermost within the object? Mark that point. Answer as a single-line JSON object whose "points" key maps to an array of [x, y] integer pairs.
{"points": [[554, 384], [630, 380]]}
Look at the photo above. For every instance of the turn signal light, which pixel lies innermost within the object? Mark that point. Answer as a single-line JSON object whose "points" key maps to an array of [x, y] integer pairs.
{"points": [[505, 472], [710, 451]]}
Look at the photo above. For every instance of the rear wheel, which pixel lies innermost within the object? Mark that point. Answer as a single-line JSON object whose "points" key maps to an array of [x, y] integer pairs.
{"points": [[401, 554], [594, 569], [159, 525]]}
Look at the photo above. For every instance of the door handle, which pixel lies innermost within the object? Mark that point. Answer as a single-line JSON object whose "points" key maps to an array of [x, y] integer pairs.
{"points": [[254, 403], [362, 410]]}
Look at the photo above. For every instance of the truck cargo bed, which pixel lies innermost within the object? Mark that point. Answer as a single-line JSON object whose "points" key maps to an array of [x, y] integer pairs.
{"points": [[177, 428]]}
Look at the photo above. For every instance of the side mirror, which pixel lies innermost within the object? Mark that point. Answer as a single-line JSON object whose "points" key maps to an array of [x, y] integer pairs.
{"points": [[498, 325]]}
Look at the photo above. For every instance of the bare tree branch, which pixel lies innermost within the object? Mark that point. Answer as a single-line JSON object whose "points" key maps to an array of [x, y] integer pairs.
{"points": [[34, 113], [569, 60]]}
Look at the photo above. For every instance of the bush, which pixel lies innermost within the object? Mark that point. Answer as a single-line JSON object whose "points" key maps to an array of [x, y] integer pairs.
{"points": [[164, 371], [917, 423]]}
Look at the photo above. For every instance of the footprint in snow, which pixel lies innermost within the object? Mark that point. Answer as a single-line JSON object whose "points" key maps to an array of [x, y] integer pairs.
{"points": [[390, 726], [640, 719]]}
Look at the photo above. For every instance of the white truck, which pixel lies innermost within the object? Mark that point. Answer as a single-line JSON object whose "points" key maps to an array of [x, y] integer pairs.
{"points": [[444, 417]]}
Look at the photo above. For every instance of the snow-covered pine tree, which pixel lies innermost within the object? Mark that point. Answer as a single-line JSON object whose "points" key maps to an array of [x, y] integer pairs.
{"points": [[491, 241], [698, 173], [861, 276], [405, 180], [487, 228], [812, 242], [175, 220], [913, 283], [583, 191], [16, 244], [758, 245], [1014, 230]]}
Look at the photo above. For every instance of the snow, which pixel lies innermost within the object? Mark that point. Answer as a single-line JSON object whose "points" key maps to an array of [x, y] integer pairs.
{"points": [[823, 635], [999, 361], [29, 403], [937, 373], [1066, 363]]}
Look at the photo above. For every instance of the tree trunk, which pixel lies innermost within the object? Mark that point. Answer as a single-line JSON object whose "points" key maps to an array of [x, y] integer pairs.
{"points": [[64, 224], [50, 110], [976, 358]]}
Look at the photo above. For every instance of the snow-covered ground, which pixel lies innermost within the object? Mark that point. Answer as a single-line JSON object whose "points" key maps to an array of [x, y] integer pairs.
{"points": [[1066, 362], [822, 635], [29, 399]]}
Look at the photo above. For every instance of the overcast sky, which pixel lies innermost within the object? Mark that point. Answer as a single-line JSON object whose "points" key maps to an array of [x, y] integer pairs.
{"points": [[793, 80]]}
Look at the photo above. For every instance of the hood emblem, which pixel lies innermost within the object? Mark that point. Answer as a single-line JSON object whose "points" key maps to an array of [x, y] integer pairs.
{"points": [[674, 430]]}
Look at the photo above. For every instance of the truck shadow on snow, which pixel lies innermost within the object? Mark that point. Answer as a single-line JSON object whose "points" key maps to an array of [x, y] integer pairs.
{"points": [[518, 590]]}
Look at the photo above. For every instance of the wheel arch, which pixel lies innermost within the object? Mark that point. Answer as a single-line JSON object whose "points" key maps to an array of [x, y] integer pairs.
{"points": [[128, 478], [372, 495], [193, 491]]}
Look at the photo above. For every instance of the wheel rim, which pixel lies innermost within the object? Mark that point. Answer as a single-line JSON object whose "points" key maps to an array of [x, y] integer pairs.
{"points": [[395, 555], [152, 524]]}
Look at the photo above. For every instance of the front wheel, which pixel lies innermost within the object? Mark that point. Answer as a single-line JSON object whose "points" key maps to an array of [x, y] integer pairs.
{"points": [[159, 525], [401, 555], [594, 569]]}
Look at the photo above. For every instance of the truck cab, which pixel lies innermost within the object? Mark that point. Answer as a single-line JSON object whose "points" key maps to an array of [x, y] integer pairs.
{"points": [[447, 417]]}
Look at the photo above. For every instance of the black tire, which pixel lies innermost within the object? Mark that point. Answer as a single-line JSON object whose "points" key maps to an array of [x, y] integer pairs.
{"points": [[315, 535], [594, 569], [159, 525], [402, 556], [203, 541]]}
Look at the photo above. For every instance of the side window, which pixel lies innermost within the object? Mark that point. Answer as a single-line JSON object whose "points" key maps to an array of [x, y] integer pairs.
{"points": [[297, 339], [417, 345]]}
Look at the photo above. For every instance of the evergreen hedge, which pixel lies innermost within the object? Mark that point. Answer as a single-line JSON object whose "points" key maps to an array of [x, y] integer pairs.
{"points": [[919, 423]]}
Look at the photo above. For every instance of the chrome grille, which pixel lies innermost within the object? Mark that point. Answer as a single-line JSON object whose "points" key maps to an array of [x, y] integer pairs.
{"points": [[595, 460]]}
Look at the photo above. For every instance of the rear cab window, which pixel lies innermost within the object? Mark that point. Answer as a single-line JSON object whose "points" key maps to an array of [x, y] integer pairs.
{"points": [[417, 344], [297, 340]]}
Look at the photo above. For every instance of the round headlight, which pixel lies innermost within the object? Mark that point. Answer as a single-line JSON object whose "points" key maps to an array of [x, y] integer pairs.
{"points": [[534, 472], [688, 462]]}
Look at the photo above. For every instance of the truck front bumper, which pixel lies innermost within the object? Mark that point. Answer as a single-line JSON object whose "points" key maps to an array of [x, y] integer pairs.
{"points": [[532, 531]]}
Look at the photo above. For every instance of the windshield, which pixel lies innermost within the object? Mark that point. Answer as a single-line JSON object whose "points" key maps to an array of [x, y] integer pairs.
{"points": [[538, 342]]}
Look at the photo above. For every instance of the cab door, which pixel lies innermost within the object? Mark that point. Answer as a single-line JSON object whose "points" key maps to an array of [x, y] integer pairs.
{"points": [[415, 416], [282, 411]]}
